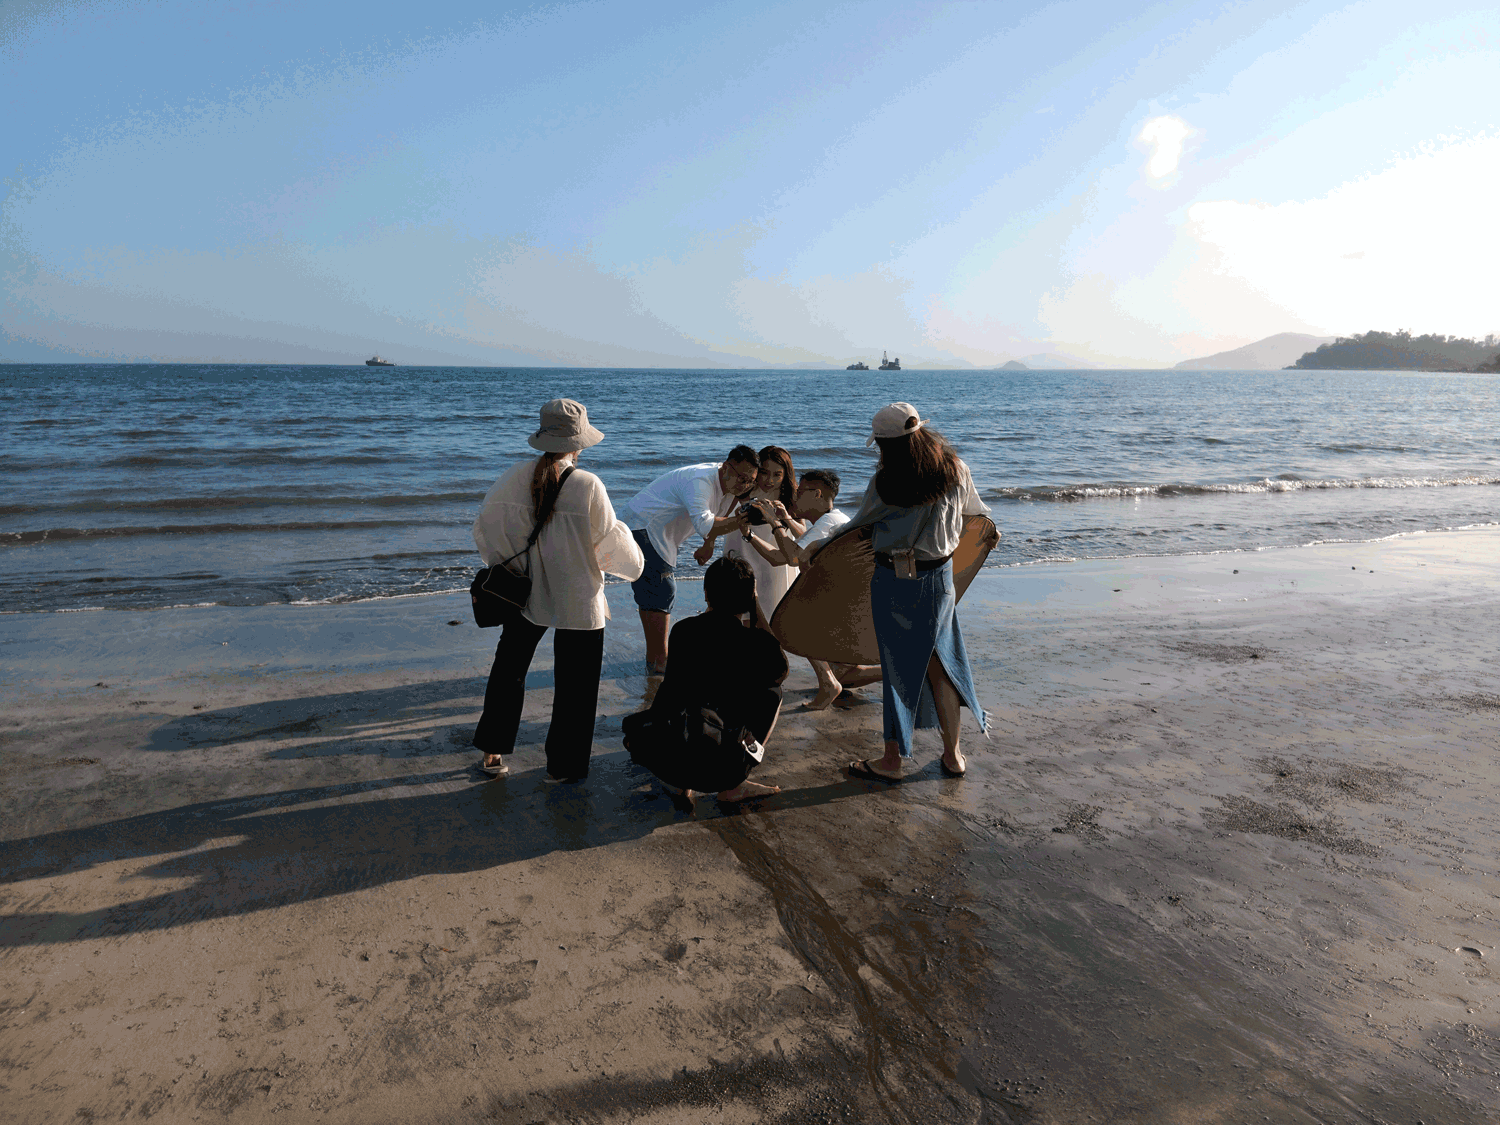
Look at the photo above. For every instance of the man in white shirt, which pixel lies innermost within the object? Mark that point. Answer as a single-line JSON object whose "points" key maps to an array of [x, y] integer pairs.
{"points": [[816, 491], [663, 515]]}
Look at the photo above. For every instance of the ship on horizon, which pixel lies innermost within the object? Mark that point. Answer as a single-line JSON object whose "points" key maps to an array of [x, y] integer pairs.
{"points": [[858, 365], [376, 361], [887, 364]]}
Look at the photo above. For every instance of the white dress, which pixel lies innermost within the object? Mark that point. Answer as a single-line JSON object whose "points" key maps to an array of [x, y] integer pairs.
{"points": [[771, 582]]}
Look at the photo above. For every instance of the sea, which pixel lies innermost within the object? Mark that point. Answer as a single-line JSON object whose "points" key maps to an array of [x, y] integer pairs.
{"points": [[131, 487]]}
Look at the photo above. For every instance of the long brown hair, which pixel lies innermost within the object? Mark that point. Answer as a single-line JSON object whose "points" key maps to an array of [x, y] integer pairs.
{"points": [[549, 467], [916, 468], [788, 476]]}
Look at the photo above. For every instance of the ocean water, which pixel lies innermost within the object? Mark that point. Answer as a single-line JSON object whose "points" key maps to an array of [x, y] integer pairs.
{"points": [[140, 486]]}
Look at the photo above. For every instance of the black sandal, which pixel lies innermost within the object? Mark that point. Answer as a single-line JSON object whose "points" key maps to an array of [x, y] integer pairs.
{"points": [[863, 770]]}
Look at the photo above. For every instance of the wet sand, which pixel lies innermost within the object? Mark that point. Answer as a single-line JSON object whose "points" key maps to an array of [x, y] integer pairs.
{"points": [[1229, 855]]}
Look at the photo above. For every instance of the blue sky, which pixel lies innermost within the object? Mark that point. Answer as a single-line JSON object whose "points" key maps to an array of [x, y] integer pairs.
{"points": [[737, 184]]}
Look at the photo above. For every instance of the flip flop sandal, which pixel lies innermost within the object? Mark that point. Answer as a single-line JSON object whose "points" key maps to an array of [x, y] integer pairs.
{"points": [[499, 770], [863, 770], [942, 765]]}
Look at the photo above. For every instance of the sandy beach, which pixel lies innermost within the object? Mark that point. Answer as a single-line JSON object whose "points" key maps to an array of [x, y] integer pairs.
{"points": [[1228, 855]]}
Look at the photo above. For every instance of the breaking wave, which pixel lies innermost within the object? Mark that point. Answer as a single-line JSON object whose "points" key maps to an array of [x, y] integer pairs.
{"points": [[1287, 482]]}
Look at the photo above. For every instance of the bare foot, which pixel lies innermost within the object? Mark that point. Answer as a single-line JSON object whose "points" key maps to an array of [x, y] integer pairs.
{"points": [[748, 789], [827, 693]]}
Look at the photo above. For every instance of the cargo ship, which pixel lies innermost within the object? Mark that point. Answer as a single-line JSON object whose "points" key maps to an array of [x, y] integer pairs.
{"points": [[376, 361]]}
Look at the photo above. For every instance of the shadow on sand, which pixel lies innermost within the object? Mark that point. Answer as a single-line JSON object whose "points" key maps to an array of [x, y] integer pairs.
{"points": [[255, 853]]}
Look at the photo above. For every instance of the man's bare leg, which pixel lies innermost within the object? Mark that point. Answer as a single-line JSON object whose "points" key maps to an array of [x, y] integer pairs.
{"points": [[654, 624], [857, 675], [828, 686]]}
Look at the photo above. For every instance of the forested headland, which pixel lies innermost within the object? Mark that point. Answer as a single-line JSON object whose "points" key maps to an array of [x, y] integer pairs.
{"points": [[1401, 351]]}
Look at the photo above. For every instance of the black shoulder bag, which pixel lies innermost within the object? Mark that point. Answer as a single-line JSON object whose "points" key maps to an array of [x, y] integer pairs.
{"points": [[500, 591]]}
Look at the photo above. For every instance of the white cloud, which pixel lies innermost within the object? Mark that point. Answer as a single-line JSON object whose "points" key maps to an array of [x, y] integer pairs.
{"points": [[1413, 246], [1165, 136]]}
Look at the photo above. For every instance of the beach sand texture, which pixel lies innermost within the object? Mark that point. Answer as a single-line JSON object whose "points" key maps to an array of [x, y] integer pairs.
{"points": [[1229, 855]]}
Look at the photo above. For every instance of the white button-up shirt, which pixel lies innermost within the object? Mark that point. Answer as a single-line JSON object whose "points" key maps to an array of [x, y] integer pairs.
{"points": [[675, 505], [581, 542]]}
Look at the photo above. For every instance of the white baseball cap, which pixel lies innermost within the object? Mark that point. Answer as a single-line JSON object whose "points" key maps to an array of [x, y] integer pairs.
{"points": [[896, 420]]}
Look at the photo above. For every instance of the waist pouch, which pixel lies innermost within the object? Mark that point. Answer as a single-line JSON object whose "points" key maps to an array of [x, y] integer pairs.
{"points": [[919, 565]]}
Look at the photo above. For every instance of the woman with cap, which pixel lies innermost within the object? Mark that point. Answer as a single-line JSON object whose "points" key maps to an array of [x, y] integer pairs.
{"points": [[580, 542], [914, 509]]}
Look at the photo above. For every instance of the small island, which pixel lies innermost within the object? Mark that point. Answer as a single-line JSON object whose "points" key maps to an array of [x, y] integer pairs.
{"points": [[1401, 351], [1014, 365]]}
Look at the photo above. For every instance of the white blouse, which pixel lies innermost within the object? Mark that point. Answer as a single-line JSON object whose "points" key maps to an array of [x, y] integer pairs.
{"points": [[581, 543]]}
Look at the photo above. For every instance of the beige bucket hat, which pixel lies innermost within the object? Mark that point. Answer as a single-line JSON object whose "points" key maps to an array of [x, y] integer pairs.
{"points": [[565, 428]]}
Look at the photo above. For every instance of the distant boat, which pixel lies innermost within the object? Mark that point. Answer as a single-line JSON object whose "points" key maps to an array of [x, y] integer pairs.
{"points": [[861, 366], [376, 361], [889, 364]]}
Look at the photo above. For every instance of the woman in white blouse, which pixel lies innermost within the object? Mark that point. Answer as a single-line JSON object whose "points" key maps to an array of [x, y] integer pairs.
{"points": [[580, 542], [914, 508]]}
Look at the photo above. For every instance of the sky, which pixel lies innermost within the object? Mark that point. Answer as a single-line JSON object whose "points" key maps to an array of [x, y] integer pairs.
{"points": [[746, 184]]}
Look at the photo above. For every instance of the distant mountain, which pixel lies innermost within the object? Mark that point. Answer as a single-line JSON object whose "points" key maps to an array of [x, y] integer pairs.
{"points": [[1401, 351], [1014, 365], [1270, 354]]}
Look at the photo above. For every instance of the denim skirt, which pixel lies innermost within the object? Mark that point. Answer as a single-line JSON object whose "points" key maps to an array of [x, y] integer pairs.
{"points": [[915, 618]]}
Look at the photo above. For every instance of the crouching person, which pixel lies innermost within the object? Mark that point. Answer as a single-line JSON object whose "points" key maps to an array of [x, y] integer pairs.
{"points": [[709, 723]]}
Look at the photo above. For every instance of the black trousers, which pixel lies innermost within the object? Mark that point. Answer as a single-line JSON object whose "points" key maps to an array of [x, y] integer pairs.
{"points": [[726, 767], [575, 694]]}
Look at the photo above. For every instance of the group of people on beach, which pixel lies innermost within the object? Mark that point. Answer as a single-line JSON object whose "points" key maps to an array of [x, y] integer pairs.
{"points": [[718, 675]]}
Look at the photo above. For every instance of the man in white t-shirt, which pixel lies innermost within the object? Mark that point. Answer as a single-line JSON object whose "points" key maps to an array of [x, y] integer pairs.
{"points": [[816, 492], [662, 515]]}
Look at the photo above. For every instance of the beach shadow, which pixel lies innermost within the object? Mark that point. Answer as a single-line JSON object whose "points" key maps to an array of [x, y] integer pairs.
{"points": [[257, 853], [405, 721], [377, 721]]}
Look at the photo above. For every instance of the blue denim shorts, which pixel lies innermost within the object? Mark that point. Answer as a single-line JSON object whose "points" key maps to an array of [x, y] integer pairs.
{"points": [[655, 589]]}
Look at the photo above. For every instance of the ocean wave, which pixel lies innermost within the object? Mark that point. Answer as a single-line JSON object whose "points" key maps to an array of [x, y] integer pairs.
{"points": [[1015, 564], [216, 459], [1286, 482], [218, 503], [63, 534], [1360, 447]]}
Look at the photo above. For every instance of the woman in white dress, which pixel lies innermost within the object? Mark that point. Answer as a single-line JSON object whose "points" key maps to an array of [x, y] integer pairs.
{"points": [[776, 481]]}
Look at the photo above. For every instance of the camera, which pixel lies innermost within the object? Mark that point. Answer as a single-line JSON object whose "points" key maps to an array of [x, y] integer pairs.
{"points": [[752, 514]]}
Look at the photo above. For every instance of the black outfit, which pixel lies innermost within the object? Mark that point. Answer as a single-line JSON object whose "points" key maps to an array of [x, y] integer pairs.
{"points": [[575, 694], [713, 661]]}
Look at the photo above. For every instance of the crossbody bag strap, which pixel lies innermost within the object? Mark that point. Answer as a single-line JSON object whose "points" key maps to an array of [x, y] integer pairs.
{"points": [[549, 501]]}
